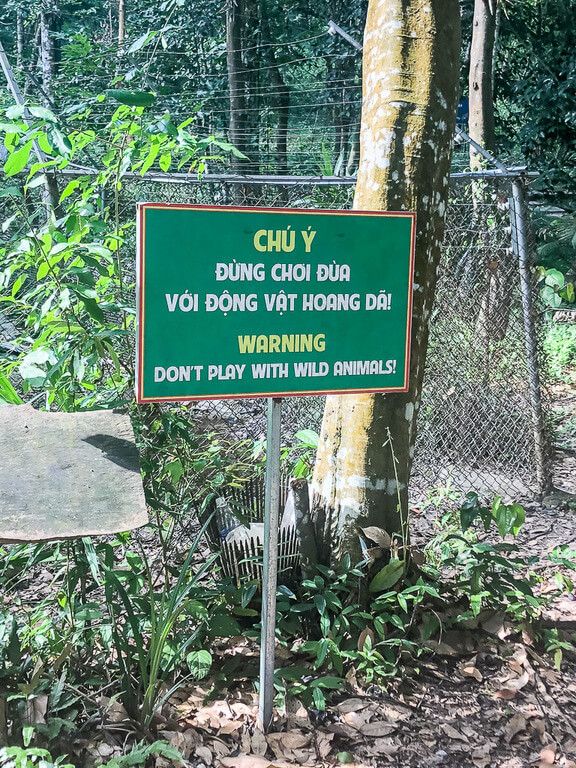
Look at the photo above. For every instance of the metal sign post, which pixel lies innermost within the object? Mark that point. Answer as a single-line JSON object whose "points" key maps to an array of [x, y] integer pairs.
{"points": [[270, 565]]}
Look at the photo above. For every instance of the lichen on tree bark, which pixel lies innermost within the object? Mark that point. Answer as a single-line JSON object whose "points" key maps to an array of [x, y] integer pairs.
{"points": [[410, 81]]}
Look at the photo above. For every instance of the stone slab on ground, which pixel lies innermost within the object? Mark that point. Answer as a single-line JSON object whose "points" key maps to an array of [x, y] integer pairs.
{"points": [[67, 474]]}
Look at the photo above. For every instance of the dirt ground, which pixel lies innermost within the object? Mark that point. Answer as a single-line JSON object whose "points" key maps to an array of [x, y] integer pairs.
{"points": [[488, 698]]}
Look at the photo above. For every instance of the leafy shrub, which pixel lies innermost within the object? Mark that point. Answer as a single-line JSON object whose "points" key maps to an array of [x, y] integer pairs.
{"points": [[560, 350], [16, 757], [371, 633]]}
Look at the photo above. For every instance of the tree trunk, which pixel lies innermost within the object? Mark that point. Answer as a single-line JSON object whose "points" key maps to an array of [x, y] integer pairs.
{"points": [[251, 31], [19, 39], [281, 93], [48, 13], [481, 78], [121, 22], [411, 62], [47, 51], [494, 309], [236, 84], [304, 527]]}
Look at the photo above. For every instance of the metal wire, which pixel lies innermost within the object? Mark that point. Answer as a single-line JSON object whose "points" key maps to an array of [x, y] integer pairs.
{"points": [[476, 428]]}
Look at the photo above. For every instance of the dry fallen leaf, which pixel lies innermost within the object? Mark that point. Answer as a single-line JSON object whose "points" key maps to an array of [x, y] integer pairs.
{"points": [[358, 717], [378, 535], [204, 754], [230, 726], [547, 756], [251, 761], [184, 741], [497, 625], [539, 726], [285, 744], [219, 748], [352, 705], [114, 711], [514, 726], [469, 669], [481, 756], [323, 743], [378, 728], [383, 747], [452, 733], [512, 686], [345, 730], [506, 694], [364, 635], [395, 712], [259, 743], [512, 762]]}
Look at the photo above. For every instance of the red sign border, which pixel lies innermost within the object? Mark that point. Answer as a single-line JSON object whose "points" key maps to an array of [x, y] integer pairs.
{"points": [[141, 278]]}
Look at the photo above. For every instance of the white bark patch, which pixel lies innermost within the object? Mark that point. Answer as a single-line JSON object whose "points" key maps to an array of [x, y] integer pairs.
{"points": [[357, 481], [349, 507], [409, 412], [394, 488]]}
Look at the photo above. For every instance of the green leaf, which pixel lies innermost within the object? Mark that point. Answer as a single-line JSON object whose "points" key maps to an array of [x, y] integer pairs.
{"points": [[92, 558], [558, 658], [319, 699], [329, 681], [93, 309], [79, 366], [176, 470], [320, 603], [550, 297], [37, 181], [14, 112], [43, 269], [69, 189], [308, 437], [223, 625], [43, 114], [17, 160], [469, 510], [30, 372], [568, 293], [11, 192], [98, 250], [61, 142], [142, 41], [554, 278], [131, 98], [519, 518], [199, 663], [388, 576], [509, 517], [8, 395], [165, 161], [150, 158], [18, 283], [227, 147]]}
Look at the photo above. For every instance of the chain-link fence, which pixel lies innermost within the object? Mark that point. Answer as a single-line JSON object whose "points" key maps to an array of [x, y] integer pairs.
{"points": [[480, 426]]}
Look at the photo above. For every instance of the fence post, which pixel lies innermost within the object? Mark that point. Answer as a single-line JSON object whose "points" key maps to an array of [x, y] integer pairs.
{"points": [[520, 247]]}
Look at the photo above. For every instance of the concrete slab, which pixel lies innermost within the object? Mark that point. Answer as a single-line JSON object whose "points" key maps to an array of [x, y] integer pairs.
{"points": [[66, 475]]}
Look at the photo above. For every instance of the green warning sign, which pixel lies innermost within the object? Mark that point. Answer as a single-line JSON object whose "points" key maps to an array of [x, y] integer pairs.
{"points": [[252, 302]]}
